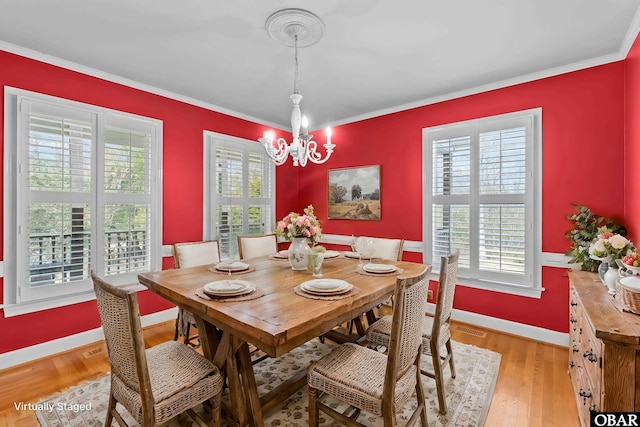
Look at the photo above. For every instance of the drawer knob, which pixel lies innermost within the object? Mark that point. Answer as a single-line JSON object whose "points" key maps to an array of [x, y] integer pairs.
{"points": [[590, 356], [571, 364], [573, 304], [575, 349], [584, 394], [573, 320]]}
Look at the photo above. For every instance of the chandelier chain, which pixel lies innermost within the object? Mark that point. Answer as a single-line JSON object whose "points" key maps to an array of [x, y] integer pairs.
{"points": [[295, 78]]}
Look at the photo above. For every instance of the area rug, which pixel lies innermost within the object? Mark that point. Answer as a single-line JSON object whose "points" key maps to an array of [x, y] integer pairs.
{"points": [[468, 395]]}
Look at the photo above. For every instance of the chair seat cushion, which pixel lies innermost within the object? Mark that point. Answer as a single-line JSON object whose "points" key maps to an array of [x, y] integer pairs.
{"points": [[355, 375], [380, 331], [180, 379], [174, 366]]}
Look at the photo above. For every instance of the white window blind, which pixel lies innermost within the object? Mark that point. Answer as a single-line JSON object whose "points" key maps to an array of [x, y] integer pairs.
{"points": [[83, 197], [480, 197], [239, 191]]}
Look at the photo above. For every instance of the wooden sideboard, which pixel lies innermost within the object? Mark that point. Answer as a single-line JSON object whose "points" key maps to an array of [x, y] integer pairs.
{"points": [[604, 349]]}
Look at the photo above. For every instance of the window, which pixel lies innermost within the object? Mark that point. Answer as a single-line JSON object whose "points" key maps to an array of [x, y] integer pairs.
{"points": [[239, 191], [482, 196], [83, 194]]}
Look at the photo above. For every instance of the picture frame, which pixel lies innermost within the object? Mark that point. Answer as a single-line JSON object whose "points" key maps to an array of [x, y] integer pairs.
{"points": [[354, 193]]}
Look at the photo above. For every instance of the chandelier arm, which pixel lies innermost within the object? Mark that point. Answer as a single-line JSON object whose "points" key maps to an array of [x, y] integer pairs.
{"points": [[316, 157], [279, 153]]}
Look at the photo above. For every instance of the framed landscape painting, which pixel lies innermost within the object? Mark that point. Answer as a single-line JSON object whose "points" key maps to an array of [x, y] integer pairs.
{"points": [[354, 193]]}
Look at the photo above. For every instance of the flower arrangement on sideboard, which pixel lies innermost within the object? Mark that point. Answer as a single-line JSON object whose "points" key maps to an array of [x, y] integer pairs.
{"points": [[593, 234]]}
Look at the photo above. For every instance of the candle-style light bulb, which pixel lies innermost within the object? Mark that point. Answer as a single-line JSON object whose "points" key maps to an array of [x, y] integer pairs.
{"points": [[305, 125], [268, 135], [328, 135]]}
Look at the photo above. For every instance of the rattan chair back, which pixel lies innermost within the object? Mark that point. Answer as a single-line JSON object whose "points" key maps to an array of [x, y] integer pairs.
{"points": [[120, 318], [441, 331], [410, 298]]}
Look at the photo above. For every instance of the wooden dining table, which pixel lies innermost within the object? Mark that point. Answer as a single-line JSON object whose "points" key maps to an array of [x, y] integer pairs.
{"points": [[276, 322]]}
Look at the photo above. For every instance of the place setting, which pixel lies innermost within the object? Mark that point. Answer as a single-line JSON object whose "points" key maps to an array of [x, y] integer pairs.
{"points": [[229, 290], [376, 269], [329, 254], [232, 267], [325, 288], [356, 255], [282, 255]]}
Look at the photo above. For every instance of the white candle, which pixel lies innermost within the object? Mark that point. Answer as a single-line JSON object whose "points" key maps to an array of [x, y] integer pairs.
{"points": [[328, 135], [305, 124]]}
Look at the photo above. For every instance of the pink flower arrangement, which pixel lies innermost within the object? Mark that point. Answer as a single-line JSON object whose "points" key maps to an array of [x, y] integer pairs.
{"points": [[610, 246], [296, 225]]}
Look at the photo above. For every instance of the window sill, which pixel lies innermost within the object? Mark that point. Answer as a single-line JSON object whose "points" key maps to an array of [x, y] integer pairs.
{"points": [[498, 287], [41, 305]]}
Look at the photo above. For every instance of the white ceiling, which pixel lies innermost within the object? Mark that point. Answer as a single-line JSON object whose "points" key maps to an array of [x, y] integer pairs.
{"points": [[376, 56]]}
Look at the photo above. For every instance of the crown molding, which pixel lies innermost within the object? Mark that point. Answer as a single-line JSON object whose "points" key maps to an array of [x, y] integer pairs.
{"points": [[69, 65]]}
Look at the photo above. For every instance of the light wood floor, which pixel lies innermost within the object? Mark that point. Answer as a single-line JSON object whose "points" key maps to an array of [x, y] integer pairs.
{"points": [[533, 387]]}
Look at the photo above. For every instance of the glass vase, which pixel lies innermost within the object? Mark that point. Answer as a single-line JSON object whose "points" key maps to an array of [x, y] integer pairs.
{"points": [[317, 258], [299, 253]]}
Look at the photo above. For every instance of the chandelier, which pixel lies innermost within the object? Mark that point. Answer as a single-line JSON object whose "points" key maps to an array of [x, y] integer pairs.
{"points": [[297, 28]]}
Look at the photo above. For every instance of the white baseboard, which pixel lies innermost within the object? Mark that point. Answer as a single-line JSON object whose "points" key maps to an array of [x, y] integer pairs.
{"points": [[59, 345], [527, 331]]}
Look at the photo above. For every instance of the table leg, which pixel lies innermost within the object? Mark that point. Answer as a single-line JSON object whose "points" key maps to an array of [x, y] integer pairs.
{"points": [[232, 355], [249, 383]]}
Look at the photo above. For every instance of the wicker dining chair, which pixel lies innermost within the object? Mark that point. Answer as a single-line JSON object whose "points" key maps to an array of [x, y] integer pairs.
{"points": [[157, 384], [436, 330], [257, 245], [372, 381], [192, 254], [385, 249]]}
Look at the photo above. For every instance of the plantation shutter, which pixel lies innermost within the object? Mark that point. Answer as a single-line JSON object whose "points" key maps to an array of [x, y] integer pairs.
{"points": [[57, 205], [480, 197], [83, 191], [242, 195], [127, 188]]}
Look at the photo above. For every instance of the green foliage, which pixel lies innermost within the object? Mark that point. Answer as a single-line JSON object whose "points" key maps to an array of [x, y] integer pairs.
{"points": [[586, 227]]}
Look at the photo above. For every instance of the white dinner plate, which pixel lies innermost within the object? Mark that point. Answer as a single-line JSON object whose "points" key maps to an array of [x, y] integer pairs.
{"points": [[354, 255], [326, 286], [284, 254], [231, 266], [631, 282], [228, 288], [331, 254], [379, 268]]}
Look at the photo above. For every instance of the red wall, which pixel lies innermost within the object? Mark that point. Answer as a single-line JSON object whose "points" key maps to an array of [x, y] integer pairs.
{"points": [[183, 126], [583, 124], [632, 141]]}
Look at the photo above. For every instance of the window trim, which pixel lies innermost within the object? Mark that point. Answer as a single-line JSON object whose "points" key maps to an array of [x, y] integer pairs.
{"points": [[12, 306], [209, 143], [533, 286]]}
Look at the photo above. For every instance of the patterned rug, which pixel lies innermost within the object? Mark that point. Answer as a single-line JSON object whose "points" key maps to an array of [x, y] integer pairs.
{"points": [[468, 395]]}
